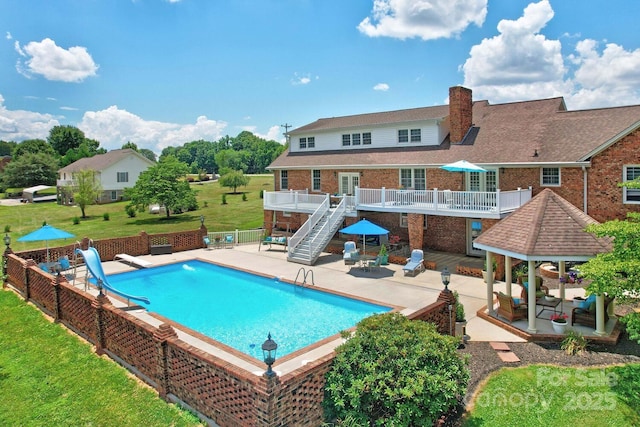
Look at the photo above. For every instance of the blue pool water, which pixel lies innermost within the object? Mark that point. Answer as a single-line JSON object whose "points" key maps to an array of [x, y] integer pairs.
{"points": [[239, 309]]}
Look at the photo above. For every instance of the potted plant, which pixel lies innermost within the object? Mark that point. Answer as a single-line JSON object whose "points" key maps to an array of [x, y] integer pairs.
{"points": [[384, 256], [461, 321], [521, 272], [559, 322], [494, 263]]}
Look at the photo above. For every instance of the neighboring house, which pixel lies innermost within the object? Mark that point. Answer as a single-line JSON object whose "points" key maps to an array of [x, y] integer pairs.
{"points": [[387, 167], [116, 170]]}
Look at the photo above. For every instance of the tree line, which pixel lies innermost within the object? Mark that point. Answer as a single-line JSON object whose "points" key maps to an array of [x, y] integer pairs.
{"points": [[37, 161]]}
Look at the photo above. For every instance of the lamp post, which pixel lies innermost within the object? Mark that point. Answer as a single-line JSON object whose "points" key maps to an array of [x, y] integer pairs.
{"points": [[269, 348], [201, 220], [446, 277], [7, 243]]}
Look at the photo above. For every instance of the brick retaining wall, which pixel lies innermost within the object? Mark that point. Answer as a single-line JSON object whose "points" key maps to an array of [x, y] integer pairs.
{"points": [[215, 388]]}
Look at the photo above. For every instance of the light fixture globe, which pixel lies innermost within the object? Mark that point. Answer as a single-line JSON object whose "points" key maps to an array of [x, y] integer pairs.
{"points": [[446, 278], [269, 348]]}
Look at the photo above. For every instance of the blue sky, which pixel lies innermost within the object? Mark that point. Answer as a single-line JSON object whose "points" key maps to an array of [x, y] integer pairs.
{"points": [[160, 73]]}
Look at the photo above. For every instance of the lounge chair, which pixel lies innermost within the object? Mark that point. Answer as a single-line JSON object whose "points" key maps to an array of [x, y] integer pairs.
{"points": [[415, 263], [207, 242], [586, 315], [132, 260], [509, 309], [541, 290], [228, 240], [350, 254]]}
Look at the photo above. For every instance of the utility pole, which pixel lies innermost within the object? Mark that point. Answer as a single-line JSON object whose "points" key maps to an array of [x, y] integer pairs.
{"points": [[286, 127]]}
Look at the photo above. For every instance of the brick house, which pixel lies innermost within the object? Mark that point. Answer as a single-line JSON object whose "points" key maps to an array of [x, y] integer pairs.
{"points": [[387, 167], [116, 170]]}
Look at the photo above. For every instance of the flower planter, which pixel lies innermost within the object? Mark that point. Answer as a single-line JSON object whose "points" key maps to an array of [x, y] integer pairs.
{"points": [[559, 327]]}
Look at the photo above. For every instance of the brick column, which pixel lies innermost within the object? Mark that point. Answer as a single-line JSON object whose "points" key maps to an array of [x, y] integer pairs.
{"points": [[449, 299], [27, 291], [267, 391], [56, 297], [164, 333], [416, 231], [98, 305]]}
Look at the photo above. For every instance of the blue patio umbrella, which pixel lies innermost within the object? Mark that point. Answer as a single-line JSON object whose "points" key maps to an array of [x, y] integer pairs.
{"points": [[364, 228], [46, 233], [462, 166]]}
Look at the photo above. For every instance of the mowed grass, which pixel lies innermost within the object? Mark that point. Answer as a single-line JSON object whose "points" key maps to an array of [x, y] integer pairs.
{"points": [[49, 377], [237, 213], [558, 396]]}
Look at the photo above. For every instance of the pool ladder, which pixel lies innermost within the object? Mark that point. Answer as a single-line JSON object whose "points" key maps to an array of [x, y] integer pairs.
{"points": [[305, 273]]}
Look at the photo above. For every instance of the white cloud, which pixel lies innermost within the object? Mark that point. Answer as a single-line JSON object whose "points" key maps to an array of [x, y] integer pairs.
{"points": [[18, 125], [274, 133], [427, 19], [521, 63], [610, 78], [381, 87], [113, 127], [69, 108], [300, 79], [47, 59], [8, 36]]}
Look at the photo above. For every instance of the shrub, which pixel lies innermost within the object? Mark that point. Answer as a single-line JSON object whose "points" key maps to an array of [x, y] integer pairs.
{"points": [[262, 194], [76, 220], [205, 204], [7, 229], [105, 216], [460, 316], [244, 197], [573, 343], [224, 199], [394, 371], [130, 210]]}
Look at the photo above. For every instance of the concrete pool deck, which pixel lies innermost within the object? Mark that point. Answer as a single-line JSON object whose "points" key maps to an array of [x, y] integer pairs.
{"points": [[388, 286]]}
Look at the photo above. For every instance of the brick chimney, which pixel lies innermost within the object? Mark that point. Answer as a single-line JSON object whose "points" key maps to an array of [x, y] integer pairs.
{"points": [[460, 113]]}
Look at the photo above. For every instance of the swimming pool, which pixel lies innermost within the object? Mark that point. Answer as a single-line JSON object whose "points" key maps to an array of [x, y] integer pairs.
{"points": [[239, 309]]}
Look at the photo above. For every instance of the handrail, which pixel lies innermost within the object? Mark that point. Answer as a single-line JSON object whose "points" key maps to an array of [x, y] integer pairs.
{"points": [[303, 231], [304, 277]]}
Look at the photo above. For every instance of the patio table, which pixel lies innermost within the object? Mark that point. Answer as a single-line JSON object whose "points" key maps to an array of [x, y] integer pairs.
{"points": [[549, 305]]}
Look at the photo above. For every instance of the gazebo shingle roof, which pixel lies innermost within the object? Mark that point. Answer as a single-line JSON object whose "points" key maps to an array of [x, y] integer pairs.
{"points": [[546, 228]]}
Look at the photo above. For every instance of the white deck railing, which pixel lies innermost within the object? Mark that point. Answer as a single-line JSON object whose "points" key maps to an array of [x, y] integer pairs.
{"points": [[445, 202]]}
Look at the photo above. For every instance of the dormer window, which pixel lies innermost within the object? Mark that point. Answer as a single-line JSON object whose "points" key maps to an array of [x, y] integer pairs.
{"points": [[308, 142], [406, 135]]}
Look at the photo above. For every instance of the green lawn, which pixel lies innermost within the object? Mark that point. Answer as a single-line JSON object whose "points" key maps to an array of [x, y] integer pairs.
{"points": [[236, 213], [49, 377], [558, 396]]}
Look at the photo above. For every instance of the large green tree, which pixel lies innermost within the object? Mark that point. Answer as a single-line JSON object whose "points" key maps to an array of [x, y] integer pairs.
{"points": [[234, 179], [7, 147], [86, 189], [64, 138], [617, 273], [31, 169], [33, 146], [87, 148], [164, 184], [394, 372]]}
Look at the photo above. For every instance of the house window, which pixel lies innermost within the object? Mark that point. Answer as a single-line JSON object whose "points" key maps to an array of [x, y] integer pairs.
{"points": [[403, 135], [416, 135], [123, 177], [303, 143], [315, 178], [413, 178], [550, 177], [114, 195], [284, 180], [311, 142], [346, 140], [631, 195], [366, 138], [355, 139], [404, 220]]}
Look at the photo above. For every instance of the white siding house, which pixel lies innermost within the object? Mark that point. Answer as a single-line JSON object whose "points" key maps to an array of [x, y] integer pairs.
{"points": [[116, 170]]}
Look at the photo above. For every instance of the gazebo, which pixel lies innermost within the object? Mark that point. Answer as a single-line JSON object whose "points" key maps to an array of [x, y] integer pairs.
{"points": [[547, 228]]}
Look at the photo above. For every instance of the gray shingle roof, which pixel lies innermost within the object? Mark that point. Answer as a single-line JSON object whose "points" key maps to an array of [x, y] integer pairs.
{"points": [[100, 161], [506, 134], [545, 227]]}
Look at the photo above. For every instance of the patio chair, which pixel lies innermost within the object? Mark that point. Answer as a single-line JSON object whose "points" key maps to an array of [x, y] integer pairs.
{"points": [[509, 309], [541, 290], [587, 316], [228, 241], [374, 264], [207, 242], [415, 263]]}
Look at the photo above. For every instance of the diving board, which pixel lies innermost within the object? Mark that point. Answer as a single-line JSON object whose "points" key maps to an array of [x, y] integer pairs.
{"points": [[132, 260]]}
